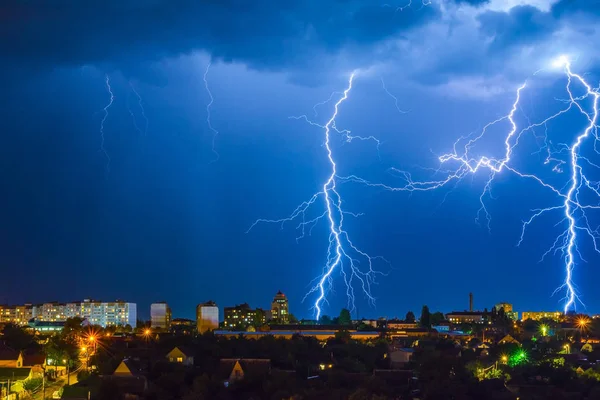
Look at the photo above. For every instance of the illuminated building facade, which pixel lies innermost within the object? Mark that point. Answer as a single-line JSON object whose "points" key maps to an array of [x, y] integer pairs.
{"points": [[18, 315], [465, 317], [280, 309], [207, 317], [508, 310], [96, 312], [239, 317], [160, 316], [536, 316]]}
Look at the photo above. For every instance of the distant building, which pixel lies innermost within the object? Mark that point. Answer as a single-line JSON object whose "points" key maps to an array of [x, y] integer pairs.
{"points": [[460, 317], [46, 327], [395, 324], [160, 316], [207, 317], [117, 313], [508, 310], [239, 317], [280, 309], [536, 316], [18, 315]]}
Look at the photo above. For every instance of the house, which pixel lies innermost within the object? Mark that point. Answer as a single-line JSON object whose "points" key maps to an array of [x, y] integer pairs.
{"points": [[508, 339], [129, 378], [235, 369], [10, 358], [35, 361], [181, 355], [400, 357]]}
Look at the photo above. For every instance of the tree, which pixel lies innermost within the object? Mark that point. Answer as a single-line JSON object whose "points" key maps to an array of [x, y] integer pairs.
{"points": [[72, 328], [16, 337], [32, 384], [425, 319], [345, 318], [437, 317], [410, 317], [325, 320], [61, 351]]}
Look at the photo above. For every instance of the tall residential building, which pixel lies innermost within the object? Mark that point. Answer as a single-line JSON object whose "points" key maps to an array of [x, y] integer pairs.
{"points": [[160, 316], [508, 310], [18, 315], [239, 317], [280, 309], [96, 312], [207, 317]]}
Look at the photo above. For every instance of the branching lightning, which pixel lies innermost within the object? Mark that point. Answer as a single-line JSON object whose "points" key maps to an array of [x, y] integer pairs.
{"points": [[342, 254], [105, 109], [570, 196], [208, 106], [142, 110]]}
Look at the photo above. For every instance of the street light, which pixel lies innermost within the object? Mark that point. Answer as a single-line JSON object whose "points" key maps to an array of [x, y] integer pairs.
{"points": [[504, 359], [544, 330], [582, 323]]}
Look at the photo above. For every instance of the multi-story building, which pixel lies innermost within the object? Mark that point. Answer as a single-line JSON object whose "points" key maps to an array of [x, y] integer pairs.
{"points": [[508, 310], [207, 317], [18, 315], [280, 309], [96, 312], [536, 316], [239, 317], [396, 324], [51, 312], [261, 317], [108, 313], [160, 316], [460, 317]]}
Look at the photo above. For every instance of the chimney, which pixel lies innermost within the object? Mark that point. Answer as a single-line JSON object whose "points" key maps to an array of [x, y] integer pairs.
{"points": [[471, 302]]}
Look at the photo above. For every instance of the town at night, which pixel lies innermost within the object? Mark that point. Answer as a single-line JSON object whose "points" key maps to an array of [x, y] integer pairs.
{"points": [[320, 199]]}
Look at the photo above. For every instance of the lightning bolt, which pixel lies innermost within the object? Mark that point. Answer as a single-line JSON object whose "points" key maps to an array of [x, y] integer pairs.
{"points": [[143, 112], [407, 5], [342, 253], [105, 109], [401, 111], [208, 106], [574, 211]]}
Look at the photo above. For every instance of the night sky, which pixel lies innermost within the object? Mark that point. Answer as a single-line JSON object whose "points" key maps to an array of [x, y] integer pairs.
{"points": [[168, 223]]}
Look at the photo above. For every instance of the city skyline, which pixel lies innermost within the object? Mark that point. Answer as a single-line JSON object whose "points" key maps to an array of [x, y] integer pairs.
{"points": [[166, 314], [136, 165]]}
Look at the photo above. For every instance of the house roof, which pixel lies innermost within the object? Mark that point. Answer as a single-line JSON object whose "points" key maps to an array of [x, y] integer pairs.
{"points": [[31, 360], [14, 374], [184, 349], [251, 366], [128, 367], [8, 354]]}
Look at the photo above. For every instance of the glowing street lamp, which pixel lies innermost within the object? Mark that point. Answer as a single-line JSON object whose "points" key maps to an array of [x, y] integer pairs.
{"points": [[582, 322], [544, 330], [504, 359]]}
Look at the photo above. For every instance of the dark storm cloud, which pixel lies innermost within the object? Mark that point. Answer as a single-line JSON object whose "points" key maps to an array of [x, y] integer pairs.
{"points": [[522, 25], [572, 6], [127, 33]]}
